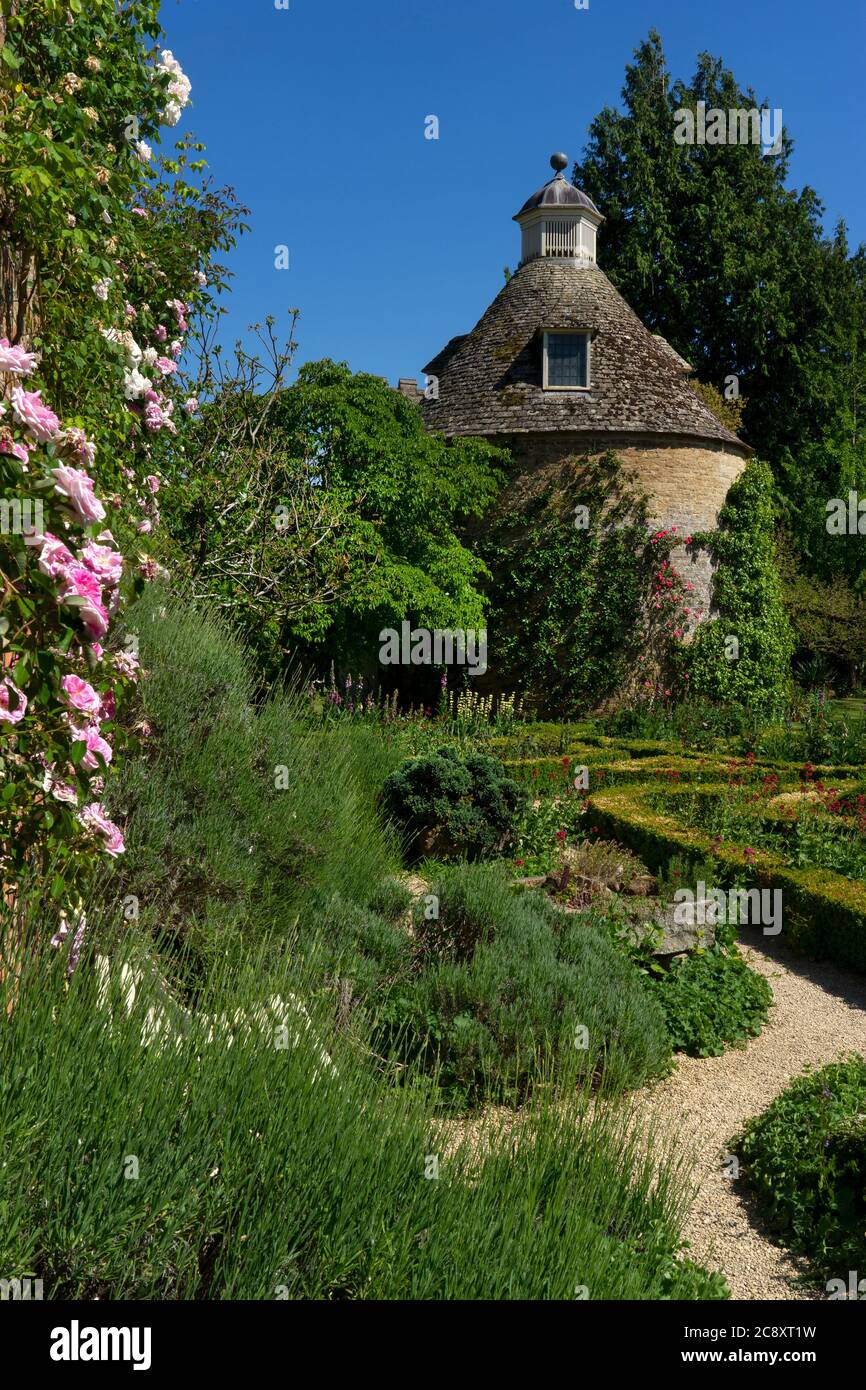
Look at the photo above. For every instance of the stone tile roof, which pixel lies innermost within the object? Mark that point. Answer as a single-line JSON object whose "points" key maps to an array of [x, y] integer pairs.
{"points": [[490, 380]]}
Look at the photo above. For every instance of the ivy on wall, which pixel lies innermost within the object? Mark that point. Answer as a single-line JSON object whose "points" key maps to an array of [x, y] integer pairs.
{"points": [[585, 603], [745, 655]]}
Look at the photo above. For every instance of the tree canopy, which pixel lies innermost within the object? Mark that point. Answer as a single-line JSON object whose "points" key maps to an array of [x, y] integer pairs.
{"points": [[711, 248]]}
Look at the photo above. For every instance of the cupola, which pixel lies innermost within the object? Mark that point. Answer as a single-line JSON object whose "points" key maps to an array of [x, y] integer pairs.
{"points": [[559, 221]]}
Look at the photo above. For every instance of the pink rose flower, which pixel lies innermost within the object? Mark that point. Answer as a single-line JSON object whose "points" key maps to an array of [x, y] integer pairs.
{"points": [[29, 411], [109, 705], [104, 562], [80, 582], [16, 449], [89, 734], [62, 791], [157, 415], [15, 360], [160, 333], [97, 649], [81, 695], [166, 366], [191, 405], [17, 712], [179, 313], [77, 487], [93, 817], [55, 558], [94, 618], [144, 527], [153, 483]]}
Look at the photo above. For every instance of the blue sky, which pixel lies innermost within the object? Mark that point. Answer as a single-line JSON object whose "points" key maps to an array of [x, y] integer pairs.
{"points": [[316, 113]]}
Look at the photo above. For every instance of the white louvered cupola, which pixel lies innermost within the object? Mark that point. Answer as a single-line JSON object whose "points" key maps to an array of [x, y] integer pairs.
{"points": [[559, 221]]}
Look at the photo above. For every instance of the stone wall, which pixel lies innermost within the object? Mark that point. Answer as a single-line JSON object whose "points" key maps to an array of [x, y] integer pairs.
{"points": [[686, 481]]}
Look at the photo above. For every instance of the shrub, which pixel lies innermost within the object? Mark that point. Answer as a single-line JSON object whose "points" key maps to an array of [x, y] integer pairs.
{"points": [[825, 914], [263, 1175], [710, 1000], [240, 820], [507, 987], [449, 805], [747, 593], [804, 1160]]}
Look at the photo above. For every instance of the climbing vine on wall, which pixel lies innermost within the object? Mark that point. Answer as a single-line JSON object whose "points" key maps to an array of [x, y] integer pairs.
{"points": [[745, 656], [585, 601]]}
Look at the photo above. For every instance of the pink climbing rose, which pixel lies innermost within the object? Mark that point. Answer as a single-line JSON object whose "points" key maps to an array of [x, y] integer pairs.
{"points": [[81, 695], [93, 817], [15, 360], [89, 734], [81, 583], [54, 558], [104, 562], [17, 449], [77, 487], [36, 418], [17, 712]]}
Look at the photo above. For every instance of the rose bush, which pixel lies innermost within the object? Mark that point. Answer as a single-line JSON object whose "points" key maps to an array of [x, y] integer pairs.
{"points": [[100, 239]]}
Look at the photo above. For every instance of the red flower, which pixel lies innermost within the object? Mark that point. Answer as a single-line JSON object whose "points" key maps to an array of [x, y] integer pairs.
{"points": [[560, 834]]}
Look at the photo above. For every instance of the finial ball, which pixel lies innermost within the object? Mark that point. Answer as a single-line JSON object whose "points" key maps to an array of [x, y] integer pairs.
{"points": [[559, 162]]}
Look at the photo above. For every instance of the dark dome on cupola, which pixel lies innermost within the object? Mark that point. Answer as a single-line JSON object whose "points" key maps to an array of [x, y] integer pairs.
{"points": [[559, 193]]}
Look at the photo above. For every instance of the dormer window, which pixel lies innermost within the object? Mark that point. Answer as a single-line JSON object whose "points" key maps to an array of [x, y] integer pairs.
{"points": [[566, 361]]}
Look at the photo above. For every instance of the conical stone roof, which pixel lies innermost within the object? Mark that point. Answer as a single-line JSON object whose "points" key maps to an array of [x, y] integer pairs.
{"points": [[490, 381]]}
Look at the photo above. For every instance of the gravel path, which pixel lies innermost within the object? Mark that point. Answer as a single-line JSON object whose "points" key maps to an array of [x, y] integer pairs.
{"points": [[819, 1016]]}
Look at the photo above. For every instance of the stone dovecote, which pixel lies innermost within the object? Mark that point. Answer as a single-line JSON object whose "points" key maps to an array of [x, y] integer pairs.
{"points": [[635, 397]]}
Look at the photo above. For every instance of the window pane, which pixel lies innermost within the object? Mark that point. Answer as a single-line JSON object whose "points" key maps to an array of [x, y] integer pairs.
{"points": [[566, 359]]}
